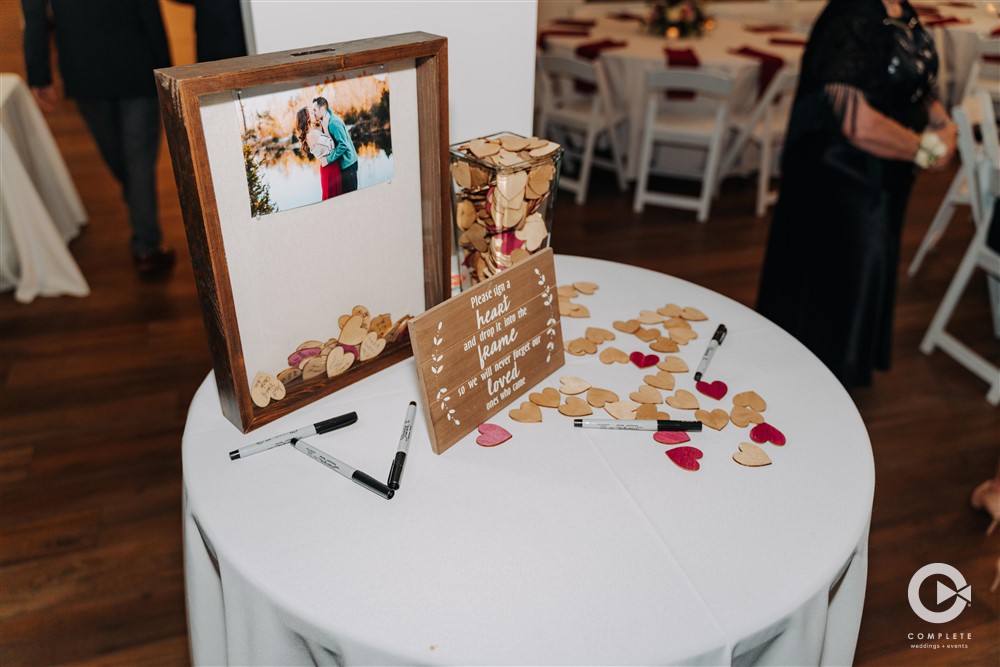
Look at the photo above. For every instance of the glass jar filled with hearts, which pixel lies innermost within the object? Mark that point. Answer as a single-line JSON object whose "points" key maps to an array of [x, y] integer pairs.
{"points": [[503, 192]]}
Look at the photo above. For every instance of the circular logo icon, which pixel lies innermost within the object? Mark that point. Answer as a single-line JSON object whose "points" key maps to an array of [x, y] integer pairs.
{"points": [[960, 590]]}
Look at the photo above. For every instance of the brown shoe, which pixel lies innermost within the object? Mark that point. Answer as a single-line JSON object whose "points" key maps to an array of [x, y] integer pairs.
{"points": [[155, 263]]}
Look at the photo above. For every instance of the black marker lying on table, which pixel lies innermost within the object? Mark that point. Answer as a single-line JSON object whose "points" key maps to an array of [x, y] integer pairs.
{"points": [[318, 428], [404, 445], [347, 471], [638, 424]]}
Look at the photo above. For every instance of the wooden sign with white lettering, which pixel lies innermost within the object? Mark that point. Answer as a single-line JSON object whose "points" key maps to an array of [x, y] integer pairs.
{"points": [[479, 350]]}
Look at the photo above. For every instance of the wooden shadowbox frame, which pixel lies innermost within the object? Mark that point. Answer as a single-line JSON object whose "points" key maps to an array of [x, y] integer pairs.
{"points": [[181, 90]]}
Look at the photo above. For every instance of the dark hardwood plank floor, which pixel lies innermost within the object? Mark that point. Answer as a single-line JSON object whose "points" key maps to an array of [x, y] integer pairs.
{"points": [[94, 392]]}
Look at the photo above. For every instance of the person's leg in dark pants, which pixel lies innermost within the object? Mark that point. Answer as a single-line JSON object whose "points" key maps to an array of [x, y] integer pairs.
{"points": [[349, 178]]}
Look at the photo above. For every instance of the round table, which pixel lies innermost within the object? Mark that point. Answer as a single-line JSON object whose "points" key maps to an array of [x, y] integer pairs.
{"points": [[559, 546]]}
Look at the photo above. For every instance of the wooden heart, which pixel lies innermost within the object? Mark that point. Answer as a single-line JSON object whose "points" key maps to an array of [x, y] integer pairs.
{"points": [[622, 409], [381, 325], [650, 317], [742, 416], [586, 287], [296, 358], [716, 419], [598, 335], [354, 330], [371, 346], [643, 360], [693, 314], [673, 365], [315, 367], [578, 311], [751, 455], [649, 411], [599, 397], [751, 400], [646, 394], [671, 437], [265, 387], [581, 346], [630, 326], [664, 344], [528, 413], [670, 310], [289, 375], [483, 148], [533, 233], [613, 355], [714, 390], [682, 336], [662, 380], [548, 398], [513, 143], [460, 172], [567, 291], [647, 335], [575, 407], [677, 323], [337, 362], [518, 255], [685, 457], [572, 385], [766, 433], [465, 214], [491, 435], [683, 400]]}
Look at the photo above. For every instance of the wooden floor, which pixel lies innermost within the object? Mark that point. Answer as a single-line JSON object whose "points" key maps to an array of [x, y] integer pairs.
{"points": [[94, 393]]}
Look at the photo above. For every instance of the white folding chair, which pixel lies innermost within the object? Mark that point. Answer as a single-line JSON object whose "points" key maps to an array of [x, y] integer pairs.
{"points": [[977, 107], [765, 126], [593, 114], [983, 74], [699, 123], [983, 191]]}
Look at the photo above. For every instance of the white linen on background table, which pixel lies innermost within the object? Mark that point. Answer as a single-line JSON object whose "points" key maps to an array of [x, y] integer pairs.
{"points": [[560, 546], [40, 209]]}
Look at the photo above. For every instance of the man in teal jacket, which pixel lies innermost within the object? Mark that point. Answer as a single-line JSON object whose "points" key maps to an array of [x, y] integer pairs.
{"points": [[343, 146]]}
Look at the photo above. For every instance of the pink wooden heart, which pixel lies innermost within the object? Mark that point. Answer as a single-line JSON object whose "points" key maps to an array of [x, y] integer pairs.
{"points": [[492, 435], [767, 433], [671, 437], [643, 360], [715, 389], [685, 457]]}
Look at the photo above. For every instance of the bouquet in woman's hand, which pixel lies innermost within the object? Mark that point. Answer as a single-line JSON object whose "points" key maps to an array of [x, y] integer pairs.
{"points": [[677, 18]]}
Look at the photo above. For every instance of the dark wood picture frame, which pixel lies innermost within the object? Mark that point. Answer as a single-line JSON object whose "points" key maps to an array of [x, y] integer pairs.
{"points": [[180, 90]]}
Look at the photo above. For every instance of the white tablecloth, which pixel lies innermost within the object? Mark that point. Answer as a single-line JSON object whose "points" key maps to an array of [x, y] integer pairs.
{"points": [[560, 546], [957, 41], [40, 210]]}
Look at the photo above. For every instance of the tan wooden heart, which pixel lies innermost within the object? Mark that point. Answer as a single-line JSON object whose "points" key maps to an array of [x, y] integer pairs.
{"points": [[567, 292], [586, 287], [575, 407], [646, 394], [670, 310], [676, 323], [572, 385], [290, 375], [579, 311], [460, 172], [751, 455], [612, 355], [662, 380], [483, 148], [599, 397], [649, 411], [716, 419], [650, 317], [647, 335], [547, 398], [315, 367], [309, 344], [371, 346], [683, 400], [598, 335], [528, 413], [381, 324], [741, 415], [622, 409], [664, 344], [533, 233], [750, 399], [465, 214], [673, 365], [515, 144], [354, 331], [693, 314], [519, 255], [512, 185], [265, 387], [338, 362], [630, 326], [581, 346], [682, 336]]}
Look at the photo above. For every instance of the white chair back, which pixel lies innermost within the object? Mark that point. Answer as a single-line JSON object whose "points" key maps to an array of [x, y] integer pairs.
{"points": [[982, 73]]}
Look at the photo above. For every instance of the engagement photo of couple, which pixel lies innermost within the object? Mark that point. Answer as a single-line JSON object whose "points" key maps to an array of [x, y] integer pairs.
{"points": [[314, 142]]}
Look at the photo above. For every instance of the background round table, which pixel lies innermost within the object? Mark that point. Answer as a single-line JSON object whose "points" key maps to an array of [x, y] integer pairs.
{"points": [[559, 546]]}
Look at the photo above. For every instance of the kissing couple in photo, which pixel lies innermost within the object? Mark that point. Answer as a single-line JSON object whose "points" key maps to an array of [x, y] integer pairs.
{"points": [[324, 135]]}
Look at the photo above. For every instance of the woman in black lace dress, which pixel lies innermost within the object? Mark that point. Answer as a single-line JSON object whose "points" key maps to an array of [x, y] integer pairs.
{"points": [[865, 119]]}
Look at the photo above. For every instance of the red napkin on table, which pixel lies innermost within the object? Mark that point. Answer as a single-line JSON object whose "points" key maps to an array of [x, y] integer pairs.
{"points": [[995, 32], [787, 41], [583, 23], [591, 51], [990, 58], [962, 5], [626, 16], [544, 35], [681, 58], [925, 10], [770, 64], [943, 20], [767, 27]]}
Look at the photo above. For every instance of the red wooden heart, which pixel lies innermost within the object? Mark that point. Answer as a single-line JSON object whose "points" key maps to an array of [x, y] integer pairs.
{"points": [[643, 360], [685, 457], [715, 389], [492, 435], [671, 437], [767, 433]]}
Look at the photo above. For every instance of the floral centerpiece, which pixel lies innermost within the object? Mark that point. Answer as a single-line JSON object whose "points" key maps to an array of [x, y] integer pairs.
{"points": [[677, 18]]}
